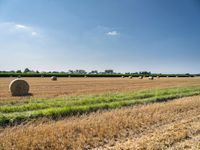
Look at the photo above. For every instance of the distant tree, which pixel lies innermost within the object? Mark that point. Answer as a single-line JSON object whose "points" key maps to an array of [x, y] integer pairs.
{"points": [[55, 72], [37, 71], [101, 73], [26, 70], [145, 72], [93, 72], [109, 71], [18, 71], [70, 71], [80, 71]]}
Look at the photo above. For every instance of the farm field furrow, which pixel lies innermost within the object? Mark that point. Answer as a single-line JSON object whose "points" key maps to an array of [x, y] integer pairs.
{"points": [[160, 125], [45, 88]]}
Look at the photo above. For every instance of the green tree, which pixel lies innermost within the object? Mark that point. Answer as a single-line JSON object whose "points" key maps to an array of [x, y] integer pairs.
{"points": [[26, 70], [18, 71]]}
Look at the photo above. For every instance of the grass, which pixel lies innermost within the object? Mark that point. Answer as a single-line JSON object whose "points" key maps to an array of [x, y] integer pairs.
{"points": [[16, 112]]}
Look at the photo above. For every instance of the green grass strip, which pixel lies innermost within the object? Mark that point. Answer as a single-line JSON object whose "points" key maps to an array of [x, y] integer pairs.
{"points": [[55, 108]]}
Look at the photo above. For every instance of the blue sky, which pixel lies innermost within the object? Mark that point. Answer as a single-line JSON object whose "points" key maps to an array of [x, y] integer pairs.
{"points": [[124, 35]]}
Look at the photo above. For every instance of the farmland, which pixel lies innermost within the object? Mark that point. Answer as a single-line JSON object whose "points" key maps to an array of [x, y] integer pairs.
{"points": [[101, 113], [168, 125], [45, 88]]}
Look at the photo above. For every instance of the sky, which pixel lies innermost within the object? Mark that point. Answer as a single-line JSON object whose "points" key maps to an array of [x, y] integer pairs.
{"points": [[161, 36]]}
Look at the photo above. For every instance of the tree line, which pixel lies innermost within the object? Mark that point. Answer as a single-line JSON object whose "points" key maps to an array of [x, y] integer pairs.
{"points": [[77, 71], [81, 73]]}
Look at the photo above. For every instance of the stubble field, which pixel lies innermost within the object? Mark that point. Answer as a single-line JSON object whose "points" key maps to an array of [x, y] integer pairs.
{"points": [[102, 113], [169, 125], [45, 88]]}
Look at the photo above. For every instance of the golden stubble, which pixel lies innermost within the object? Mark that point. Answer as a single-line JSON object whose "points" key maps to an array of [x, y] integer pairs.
{"points": [[153, 126], [46, 88]]}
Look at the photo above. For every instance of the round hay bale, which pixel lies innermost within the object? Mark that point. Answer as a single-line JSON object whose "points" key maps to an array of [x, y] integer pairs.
{"points": [[130, 77], [85, 76], [123, 77], [53, 78], [140, 77], [158, 77], [19, 87], [150, 77]]}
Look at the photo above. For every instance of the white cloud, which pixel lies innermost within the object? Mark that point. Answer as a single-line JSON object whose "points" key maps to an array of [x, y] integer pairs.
{"points": [[15, 28], [112, 33], [20, 26], [109, 31]]}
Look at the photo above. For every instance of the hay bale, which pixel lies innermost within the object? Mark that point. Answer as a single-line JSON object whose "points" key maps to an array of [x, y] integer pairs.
{"points": [[19, 87], [42, 76], [123, 77], [53, 78], [140, 77], [151, 78], [130, 77], [85, 76], [158, 77]]}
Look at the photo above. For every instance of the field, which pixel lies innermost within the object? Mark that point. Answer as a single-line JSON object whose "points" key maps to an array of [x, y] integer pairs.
{"points": [[45, 88], [102, 113], [169, 125]]}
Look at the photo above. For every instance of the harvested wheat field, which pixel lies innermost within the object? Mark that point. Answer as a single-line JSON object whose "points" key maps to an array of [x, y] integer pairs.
{"points": [[102, 113], [167, 125], [46, 88]]}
